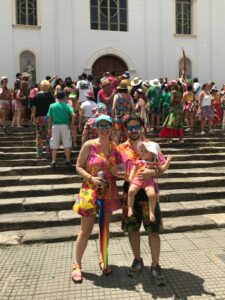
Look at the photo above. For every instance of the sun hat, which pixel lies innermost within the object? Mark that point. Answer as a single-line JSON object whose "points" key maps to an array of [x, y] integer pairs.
{"points": [[125, 75], [136, 81], [3, 78], [214, 89], [105, 82], [103, 118], [155, 83], [25, 74], [146, 83], [173, 82], [151, 147], [89, 94], [123, 85], [100, 107]]}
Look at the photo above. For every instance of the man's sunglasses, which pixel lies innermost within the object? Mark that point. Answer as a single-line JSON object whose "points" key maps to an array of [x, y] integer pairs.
{"points": [[135, 127]]}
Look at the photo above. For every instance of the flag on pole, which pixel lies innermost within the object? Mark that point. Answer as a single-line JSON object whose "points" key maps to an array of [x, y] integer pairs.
{"points": [[184, 65]]}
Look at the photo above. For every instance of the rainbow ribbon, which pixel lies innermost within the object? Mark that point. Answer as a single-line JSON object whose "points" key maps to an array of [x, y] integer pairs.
{"points": [[103, 232]]}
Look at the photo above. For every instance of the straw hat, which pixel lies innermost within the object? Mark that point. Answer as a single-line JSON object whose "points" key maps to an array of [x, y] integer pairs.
{"points": [[155, 82], [136, 81]]}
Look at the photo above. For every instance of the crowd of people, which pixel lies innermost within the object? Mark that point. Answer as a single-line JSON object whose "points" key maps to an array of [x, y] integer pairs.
{"points": [[114, 114]]}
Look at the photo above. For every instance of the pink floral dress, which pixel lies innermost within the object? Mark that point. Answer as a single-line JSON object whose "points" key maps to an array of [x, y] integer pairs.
{"points": [[85, 202]]}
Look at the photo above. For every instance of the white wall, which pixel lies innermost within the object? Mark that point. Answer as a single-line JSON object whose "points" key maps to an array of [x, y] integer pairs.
{"points": [[65, 45]]}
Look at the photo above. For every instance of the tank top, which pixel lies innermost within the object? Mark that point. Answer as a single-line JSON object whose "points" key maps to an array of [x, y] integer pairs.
{"points": [[206, 100]]}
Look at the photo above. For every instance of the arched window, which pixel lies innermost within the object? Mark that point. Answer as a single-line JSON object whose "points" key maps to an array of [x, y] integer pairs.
{"points": [[109, 15], [26, 12], [183, 17], [189, 68]]}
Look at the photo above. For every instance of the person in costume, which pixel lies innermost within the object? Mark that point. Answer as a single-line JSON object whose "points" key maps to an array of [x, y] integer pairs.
{"points": [[216, 106], [154, 96], [189, 107], [173, 126], [166, 97], [141, 107], [148, 152], [5, 100], [123, 104], [205, 109], [96, 155], [90, 129]]}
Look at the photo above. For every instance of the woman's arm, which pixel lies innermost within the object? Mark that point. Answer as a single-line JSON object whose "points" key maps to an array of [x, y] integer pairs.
{"points": [[84, 136], [114, 106], [81, 161], [172, 98], [81, 118], [200, 99]]}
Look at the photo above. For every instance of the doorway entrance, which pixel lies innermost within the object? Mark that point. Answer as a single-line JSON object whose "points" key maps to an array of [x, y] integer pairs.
{"points": [[108, 63]]}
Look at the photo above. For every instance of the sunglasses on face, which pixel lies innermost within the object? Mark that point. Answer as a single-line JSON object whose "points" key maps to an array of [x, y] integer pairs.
{"points": [[134, 128], [104, 126]]}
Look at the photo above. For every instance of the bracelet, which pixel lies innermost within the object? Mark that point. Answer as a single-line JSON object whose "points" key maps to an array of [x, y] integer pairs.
{"points": [[90, 178]]}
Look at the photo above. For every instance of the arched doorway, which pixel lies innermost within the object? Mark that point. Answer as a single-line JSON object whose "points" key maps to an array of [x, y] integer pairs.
{"points": [[189, 68], [108, 63], [28, 64]]}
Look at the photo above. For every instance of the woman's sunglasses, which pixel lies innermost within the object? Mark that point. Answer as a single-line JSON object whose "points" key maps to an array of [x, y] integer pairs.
{"points": [[104, 126]]}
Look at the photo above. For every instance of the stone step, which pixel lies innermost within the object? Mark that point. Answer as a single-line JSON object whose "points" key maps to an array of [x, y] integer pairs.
{"points": [[165, 182], [39, 179], [29, 149], [187, 139], [166, 195], [42, 219], [10, 155], [74, 154], [37, 170], [34, 169], [65, 202], [66, 233]]}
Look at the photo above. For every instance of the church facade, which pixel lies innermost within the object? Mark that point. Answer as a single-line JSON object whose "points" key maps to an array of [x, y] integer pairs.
{"points": [[146, 37]]}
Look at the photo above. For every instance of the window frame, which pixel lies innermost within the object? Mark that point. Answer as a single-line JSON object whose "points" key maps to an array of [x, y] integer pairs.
{"points": [[27, 25], [109, 24], [190, 20]]}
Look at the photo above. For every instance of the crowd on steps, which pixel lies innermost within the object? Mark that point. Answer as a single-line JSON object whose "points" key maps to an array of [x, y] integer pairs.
{"points": [[114, 114]]}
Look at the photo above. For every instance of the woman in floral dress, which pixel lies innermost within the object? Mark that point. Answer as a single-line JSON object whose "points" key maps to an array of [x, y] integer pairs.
{"points": [[173, 126], [96, 155]]}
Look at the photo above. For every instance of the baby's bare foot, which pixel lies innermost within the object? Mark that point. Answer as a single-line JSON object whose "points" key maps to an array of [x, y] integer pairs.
{"points": [[152, 217], [130, 212]]}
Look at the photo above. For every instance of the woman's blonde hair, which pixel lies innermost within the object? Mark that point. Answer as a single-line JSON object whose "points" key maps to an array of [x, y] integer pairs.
{"points": [[44, 86]]}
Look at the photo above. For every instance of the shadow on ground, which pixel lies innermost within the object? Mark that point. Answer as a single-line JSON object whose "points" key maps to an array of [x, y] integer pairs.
{"points": [[179, 284]]}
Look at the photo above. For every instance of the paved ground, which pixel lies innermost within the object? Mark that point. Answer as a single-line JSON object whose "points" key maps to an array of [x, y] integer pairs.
{"points": [[193, 263]]}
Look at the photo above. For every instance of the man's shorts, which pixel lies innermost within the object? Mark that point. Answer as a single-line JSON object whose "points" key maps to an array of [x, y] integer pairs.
{"points": [[141, 213], [60, 134], [156, 110]]}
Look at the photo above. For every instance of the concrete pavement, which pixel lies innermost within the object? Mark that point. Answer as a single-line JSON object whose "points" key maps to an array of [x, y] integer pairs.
{"points": [[193, 264]]}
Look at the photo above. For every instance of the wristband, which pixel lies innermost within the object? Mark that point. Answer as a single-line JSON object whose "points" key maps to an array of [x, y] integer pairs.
{"points": [[90, 178]]}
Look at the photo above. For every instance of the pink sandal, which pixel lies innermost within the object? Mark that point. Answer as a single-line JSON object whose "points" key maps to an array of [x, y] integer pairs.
{"points": [[76, 277]]}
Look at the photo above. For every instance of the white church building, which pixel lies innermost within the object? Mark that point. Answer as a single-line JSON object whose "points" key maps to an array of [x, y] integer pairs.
{"points": [[68, 37]]}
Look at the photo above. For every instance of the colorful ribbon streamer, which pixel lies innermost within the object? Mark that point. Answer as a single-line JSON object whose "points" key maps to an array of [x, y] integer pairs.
{"points": [[103, 232]]}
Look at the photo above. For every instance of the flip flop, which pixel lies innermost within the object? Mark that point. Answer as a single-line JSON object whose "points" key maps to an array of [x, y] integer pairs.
{"points": [[77, 278]]}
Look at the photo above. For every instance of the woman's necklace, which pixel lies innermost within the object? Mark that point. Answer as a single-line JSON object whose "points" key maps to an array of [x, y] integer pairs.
{"points": [[105, 150]]}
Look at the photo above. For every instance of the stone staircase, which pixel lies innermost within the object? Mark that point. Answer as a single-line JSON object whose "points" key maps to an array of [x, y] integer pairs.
{"points": [[36, 201]]}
